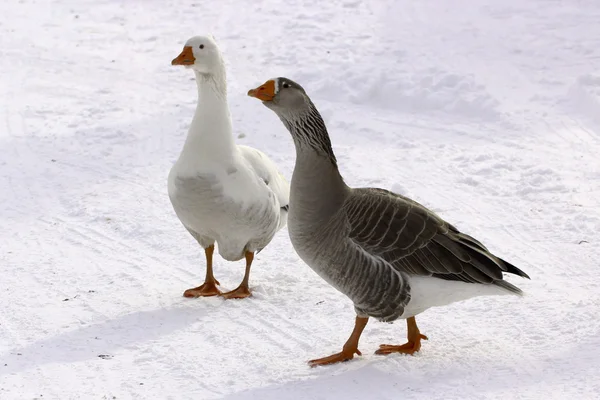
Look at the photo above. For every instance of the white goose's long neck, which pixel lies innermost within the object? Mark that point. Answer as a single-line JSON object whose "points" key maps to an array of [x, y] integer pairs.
{"points": [[209, 137]]}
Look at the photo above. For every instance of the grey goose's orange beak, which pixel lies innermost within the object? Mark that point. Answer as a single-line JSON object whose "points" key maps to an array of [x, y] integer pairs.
{"points": [[265, 92]]}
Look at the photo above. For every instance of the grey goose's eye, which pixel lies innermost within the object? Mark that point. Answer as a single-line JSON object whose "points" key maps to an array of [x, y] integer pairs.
{"points": [[201, 46], [286, 85]]}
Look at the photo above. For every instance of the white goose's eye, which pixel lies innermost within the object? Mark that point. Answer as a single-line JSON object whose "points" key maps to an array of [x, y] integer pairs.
{"points": [[201, 46], [285, 85]]}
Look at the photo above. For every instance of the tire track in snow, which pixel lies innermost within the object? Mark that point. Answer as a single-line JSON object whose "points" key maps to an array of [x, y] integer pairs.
{"points": [[285, 334]]}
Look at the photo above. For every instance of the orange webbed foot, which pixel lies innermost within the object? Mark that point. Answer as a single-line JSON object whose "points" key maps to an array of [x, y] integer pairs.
{"points": [[411, 347], [205, 290], [344, 355], [241, 292]]}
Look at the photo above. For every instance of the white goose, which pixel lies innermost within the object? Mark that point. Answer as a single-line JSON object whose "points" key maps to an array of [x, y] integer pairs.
{"points": [[222, 192]]}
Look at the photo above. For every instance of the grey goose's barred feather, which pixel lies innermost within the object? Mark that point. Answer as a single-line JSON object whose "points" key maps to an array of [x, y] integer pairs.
{"points": [[414, 240]]}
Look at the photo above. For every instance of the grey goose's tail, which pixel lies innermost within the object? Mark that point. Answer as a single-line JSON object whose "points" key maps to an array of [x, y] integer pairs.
{"points": [[483, 261], [480, 252]]}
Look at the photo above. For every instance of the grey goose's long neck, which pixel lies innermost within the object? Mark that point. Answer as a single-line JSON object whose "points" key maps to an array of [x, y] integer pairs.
{"points": [[317, 188], [310, 133]]}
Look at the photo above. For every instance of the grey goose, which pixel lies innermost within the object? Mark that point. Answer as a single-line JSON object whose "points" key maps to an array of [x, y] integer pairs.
{"points": [[390, 255]]}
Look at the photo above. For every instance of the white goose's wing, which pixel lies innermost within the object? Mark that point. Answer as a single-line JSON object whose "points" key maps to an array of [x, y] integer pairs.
{"points": [[266, 169], [415, 241]]}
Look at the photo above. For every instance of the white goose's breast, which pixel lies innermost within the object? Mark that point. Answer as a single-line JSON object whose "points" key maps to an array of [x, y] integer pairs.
{"points": [[224, 205]]}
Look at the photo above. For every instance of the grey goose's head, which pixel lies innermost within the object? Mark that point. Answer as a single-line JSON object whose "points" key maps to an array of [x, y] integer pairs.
{"points": [[284, 96], [297, 112]]}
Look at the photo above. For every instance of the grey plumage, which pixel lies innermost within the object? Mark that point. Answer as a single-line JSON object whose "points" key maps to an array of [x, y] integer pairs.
{"points": [[369, 243]]}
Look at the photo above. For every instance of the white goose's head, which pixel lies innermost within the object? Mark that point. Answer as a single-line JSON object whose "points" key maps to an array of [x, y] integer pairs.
{"points": [[201, 54]]}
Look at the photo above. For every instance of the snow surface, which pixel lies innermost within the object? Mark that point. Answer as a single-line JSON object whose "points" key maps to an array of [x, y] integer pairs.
{"points": [[486, 111]]}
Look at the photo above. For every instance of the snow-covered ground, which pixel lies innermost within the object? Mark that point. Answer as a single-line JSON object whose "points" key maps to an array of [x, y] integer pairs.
{"points": [[486, 111]]}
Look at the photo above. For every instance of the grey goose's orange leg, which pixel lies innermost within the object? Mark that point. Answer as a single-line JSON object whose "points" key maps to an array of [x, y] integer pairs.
{"points": [[350, 347]]}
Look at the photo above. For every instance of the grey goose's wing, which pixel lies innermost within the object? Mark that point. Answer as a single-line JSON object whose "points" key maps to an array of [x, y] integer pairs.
{"points": [[414, 240]]}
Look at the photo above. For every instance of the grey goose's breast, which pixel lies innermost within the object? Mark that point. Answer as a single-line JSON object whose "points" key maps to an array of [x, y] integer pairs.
{"points": [[373, 285]]}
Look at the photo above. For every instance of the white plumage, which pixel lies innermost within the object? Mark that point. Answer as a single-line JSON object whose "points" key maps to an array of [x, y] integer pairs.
{"points": [[222, 192]]}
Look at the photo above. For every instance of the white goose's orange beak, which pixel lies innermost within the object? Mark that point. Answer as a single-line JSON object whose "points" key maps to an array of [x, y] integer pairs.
{"points": [[185, 58], [264, 92]]}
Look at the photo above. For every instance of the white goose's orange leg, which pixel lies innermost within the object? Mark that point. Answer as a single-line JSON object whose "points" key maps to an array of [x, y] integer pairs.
{"points": [[209, 287], [350, 348], [412, 346], [242, 291]]}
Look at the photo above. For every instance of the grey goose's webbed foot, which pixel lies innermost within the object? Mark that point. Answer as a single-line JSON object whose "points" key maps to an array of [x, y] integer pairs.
{"points": [[412, 346], [350, 348], [344, 355]]}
